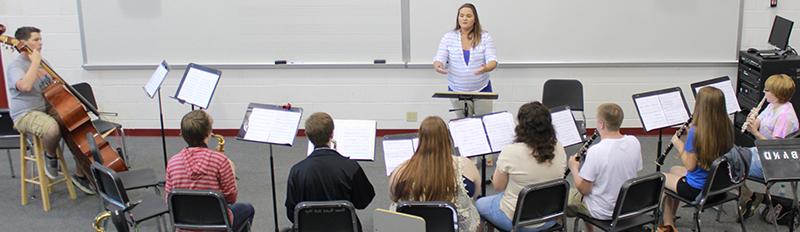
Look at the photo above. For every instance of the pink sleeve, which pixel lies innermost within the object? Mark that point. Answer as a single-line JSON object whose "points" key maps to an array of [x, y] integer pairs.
{"points": [[783, 126], [227, 181]]}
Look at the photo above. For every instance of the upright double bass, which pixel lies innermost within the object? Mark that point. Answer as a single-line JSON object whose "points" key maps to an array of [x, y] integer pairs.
{"points": [[68, 107]]}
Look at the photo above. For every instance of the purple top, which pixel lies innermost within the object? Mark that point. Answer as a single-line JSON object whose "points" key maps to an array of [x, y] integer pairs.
{"points": [[466, 56]]}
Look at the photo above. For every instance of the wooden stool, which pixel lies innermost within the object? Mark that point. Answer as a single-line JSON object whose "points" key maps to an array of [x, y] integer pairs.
{"points": [[45, 184]]}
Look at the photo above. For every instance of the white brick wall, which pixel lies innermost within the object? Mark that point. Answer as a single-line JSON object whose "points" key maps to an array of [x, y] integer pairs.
{"points": [[382, 94]]}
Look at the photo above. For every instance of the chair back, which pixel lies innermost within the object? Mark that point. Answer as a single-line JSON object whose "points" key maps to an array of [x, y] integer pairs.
{"points": [[531, 210], [438, 215], [198, 210], [333, 216], [85, 89], [6, 123], [638, 196], [719, 181], [93, 148], [559, 92], [109, 186]]}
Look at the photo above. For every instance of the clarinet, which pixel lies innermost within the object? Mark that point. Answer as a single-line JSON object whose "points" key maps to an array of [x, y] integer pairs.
{"points": [[753, 113], [663, 156], [584, 149]]}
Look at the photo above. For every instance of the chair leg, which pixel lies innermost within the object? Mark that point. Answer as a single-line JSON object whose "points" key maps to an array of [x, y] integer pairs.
{"points": [[10, 164], [121, 133], [697, 220], [575, 224], [66, 173], [44, 181], [23, 149], [741, 218]]}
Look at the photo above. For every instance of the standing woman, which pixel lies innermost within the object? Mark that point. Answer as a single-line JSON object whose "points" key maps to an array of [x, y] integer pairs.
{"points": [[434, 174], [467, 55], [710, 136]]}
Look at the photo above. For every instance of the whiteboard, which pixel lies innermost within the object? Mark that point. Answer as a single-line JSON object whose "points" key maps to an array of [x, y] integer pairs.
{"points": [[589, 31], [126, 32]]}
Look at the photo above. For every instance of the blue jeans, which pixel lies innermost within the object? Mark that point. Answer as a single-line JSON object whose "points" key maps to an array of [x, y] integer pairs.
{"points": [[489, 209], [755, 165], [242, 212]]}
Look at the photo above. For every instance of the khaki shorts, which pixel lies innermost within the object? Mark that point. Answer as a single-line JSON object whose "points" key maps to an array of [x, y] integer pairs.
{"points": [[575, 204], [36, 123]]}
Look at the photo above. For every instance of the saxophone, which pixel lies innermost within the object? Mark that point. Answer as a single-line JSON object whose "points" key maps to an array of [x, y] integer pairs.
{"points": [[221, 149], [220, 142], [98, 221]]}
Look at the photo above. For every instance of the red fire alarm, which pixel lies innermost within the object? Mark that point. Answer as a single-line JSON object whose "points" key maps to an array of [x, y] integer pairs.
{"points": [[773, 3]]}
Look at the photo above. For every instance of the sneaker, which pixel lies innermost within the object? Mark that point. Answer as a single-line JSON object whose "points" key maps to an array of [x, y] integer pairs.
{"points": [[83, 184], [52, 168]]}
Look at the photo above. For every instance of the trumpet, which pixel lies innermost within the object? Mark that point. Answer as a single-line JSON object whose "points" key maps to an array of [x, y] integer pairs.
{"points": [[753, 113]]}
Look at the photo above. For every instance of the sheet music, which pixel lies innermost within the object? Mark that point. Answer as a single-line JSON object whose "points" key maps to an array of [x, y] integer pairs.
{"points": [[272, 126], [659, 111], [395, 152], [650, 112], [470, 137], [197, 87], [674, 109], [731, 103], [499, 129], [566, 129], [155, 80], [354, 139]]}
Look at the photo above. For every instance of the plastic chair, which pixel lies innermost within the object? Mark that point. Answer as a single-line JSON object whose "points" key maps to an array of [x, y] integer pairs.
{"points": [[715, 192], [559, 92], [104, 127], [638, 203], [200, 210], [329, 216], [112, 191], [438, 215]]}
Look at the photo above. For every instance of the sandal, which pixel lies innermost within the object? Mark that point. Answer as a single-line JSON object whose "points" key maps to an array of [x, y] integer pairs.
{"points": [[666, 228]]}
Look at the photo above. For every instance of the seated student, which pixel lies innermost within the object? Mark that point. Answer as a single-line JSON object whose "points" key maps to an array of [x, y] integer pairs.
{"points": [[776, 121], [607, 165], [534, 157], [199, 168], [472, 178], [326, 175], [710, 136], [433, 174]]}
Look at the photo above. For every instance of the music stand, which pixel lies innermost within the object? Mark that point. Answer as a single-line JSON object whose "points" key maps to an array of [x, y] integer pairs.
{"points": [[355, 139], [466, 97], [724, 84], [273, 125], [484, 135], [658, 109], [197, 85], [397, 149], [780, 162], [153, 87], [470, 97]]}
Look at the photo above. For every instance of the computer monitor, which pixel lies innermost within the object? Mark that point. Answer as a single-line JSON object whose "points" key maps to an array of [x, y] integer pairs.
{"points": [[781, 29]]}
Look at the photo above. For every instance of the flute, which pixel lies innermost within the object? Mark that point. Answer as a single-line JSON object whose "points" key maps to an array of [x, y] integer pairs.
{"points": [[752, 114]]}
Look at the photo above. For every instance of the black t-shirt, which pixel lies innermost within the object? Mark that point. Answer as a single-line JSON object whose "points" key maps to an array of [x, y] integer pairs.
{"points": [[325, 175]]}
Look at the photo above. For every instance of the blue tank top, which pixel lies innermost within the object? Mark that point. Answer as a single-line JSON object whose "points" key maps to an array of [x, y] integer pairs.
{"points": [[466, 56]]}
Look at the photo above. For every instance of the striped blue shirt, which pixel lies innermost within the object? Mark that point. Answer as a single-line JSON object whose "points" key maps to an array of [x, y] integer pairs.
{"points": [[460, 75]]}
